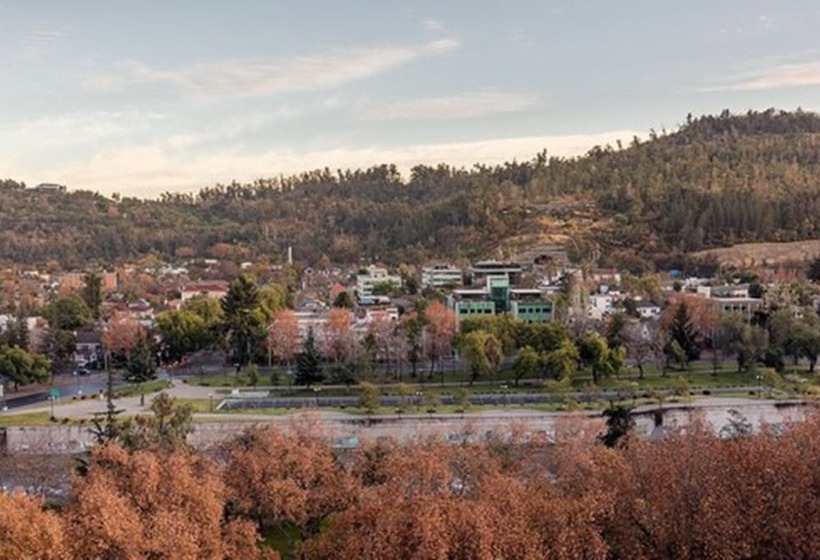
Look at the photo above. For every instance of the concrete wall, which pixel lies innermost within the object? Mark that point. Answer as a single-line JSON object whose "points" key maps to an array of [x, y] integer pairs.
{"points": [[342, 429]]}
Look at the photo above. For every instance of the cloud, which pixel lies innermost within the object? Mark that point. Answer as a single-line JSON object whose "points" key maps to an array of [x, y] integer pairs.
{"points": [[322, 71], [433, 26], [151, 169], [782, 76], [462, 106], [76, 128]]}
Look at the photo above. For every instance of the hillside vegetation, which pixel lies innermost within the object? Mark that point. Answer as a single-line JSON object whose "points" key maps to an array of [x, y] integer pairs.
{"points": [[717, 181]]}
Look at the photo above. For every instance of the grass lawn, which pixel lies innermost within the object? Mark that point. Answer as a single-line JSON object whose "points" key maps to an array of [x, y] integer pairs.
{"points": [[25, 419], [140, 388]]}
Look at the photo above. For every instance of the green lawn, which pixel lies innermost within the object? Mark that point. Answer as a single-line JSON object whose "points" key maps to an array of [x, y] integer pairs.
{"points": [[142, 388]]}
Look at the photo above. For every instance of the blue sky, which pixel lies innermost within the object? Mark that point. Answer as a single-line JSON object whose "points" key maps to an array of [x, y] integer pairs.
{"points": [[145, 97]]}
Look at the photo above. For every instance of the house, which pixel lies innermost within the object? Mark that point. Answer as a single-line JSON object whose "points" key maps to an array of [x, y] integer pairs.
{"points": [[600, 305], [88, 348], [214, 289], [647, 309]]}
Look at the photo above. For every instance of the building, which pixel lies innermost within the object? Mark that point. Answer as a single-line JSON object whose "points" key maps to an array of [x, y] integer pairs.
{"points": [[647, 309], [375, 277], [746, 307], [49, 187], [497, 297], [438, 277], [480, 271], [215, 289]]}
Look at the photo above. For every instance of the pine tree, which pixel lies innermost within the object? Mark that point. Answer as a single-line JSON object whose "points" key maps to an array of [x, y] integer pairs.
{"points": [[684, 333], [308, 364]]}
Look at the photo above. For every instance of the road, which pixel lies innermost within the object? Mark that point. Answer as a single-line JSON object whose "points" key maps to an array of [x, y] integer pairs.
{"points": [[68, 386]]}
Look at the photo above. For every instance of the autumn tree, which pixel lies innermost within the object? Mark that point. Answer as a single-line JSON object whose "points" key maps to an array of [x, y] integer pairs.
{"points": [[121, 335], [439, 331], [154, 505], [283, 337], [338, 337], [289, 484], [28, 530]]}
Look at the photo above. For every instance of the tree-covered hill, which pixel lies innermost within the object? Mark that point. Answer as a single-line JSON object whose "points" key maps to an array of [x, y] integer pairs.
{"points": [[716, 181]]}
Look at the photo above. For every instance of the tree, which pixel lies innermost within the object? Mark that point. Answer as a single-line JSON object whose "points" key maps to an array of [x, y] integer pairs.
{"points": [[368, 397], [182, 332], [683, 332], [619, 423], [121, 335], [141, 365], [813, 269], [440, 329], [343, 300], [339, 339], [154, 505], [595, 354], [166, 430], [22, 367], [746, 342], [639, 346], [92, 293], [807, 342], [16, 333], [480, 352], [244, 320], [283, 336], [562, 362], [289, 485], [29, 531], [412, 325], [68, 313], [526, 363], [308, 364]]}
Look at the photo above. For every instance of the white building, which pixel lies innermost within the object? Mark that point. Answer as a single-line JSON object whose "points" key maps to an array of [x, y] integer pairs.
{"points": [[441, 277], [375, 276], [647, 309]]}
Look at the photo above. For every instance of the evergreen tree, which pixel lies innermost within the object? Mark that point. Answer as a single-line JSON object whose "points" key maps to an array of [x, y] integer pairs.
{"points": [[244, 320], [308, 364], [684, 333], [142, 363], [92, 293]]}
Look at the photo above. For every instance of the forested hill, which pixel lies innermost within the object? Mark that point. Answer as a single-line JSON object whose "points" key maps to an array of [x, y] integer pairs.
{"points": [[718, 180]]}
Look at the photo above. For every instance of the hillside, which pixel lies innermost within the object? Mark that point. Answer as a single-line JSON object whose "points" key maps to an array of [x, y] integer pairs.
{"points": [[717, 181]]}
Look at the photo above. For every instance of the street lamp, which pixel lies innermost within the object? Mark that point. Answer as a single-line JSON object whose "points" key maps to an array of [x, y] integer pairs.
{"points": [[211, 401], [316, 391], [759, 386]]}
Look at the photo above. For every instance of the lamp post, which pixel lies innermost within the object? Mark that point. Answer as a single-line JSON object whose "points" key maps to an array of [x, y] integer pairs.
{"points": [[759, 386], [316, 391], [211, 401]]}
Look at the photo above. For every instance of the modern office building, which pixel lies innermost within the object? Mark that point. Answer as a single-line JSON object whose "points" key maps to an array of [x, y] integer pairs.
{"points": [[497, 297]]}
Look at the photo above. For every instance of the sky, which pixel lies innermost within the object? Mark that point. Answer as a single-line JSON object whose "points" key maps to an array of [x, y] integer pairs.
{"points": [[140, 98]]}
